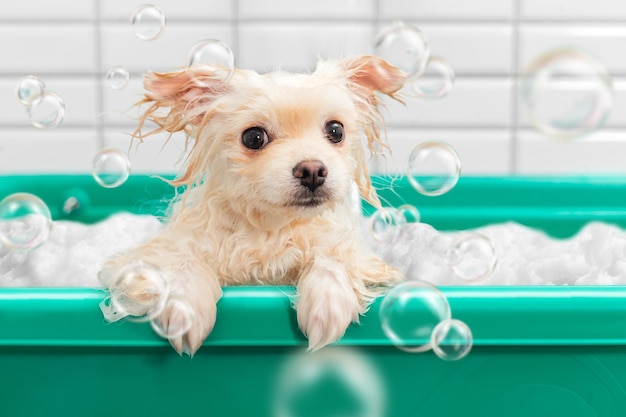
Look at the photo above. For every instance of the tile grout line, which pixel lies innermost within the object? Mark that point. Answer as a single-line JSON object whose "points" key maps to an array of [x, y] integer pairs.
{"points": [[234, 27], [514, 128], [100, 143]]}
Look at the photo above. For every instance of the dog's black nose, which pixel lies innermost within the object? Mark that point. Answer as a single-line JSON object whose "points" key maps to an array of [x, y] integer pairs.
{"points": [[311, 173]]}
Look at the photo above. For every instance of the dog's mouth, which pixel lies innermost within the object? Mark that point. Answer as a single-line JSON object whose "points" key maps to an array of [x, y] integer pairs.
{"points": [[309, 199]]}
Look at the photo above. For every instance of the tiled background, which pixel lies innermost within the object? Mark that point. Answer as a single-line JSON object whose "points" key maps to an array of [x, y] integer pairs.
{"points": [[70, 44]]}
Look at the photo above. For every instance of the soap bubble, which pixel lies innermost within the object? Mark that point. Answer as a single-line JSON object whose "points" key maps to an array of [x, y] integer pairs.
{"points": [[147, 22], [111, 167], [48, 112], [213, 53], [410, 213], [29, 90], [139, 292], [436, 81], [117, 77], [25, 221], [433, 168], [335, 381], [472, 257], [410, 312], [566, 93], [403, 46], [452, 340], [180, 316], [386, 224]]}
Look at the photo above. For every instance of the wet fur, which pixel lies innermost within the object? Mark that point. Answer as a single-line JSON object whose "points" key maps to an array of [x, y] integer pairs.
{"points": [[243, 218]]}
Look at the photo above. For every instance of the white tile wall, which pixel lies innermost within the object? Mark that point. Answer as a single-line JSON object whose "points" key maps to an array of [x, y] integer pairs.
{"points": [[70, 44], [295, 46], [573, 10]]}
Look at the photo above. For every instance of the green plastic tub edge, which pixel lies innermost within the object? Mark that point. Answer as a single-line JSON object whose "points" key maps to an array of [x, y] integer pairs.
{"points": [[263, 316], [538, 351]]}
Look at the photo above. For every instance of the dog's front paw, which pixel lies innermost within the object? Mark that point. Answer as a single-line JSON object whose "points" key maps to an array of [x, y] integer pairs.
{"points": [[136, 290], [181, 306], [327, 304], [186, 321]]}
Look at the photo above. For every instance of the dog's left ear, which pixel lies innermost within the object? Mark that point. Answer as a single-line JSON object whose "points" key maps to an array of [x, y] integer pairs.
{"points": [[368, 75], [373, 74]]}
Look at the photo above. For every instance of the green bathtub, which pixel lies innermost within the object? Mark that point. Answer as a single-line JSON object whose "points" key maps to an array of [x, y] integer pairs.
{"points": [[538, 351]]}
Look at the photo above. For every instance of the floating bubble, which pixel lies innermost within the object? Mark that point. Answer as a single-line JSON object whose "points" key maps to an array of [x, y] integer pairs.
{"points": [[138, 292], [29, 90], [452, 340], [48, 112], [386, 224], [147, 22], [111, 167], [331, 382], [180, 317], [433, 168], [403, 46], [215, 54], [410, 312], [117, 77], [566, 93], [410, 213], [472, 257], [436, 81], [25, 221]]}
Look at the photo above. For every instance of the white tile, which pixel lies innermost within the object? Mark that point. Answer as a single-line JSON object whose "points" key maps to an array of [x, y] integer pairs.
{"points": [[56, 151], [617, 111], [296, 46], [482, 152], [603, 153], [603, 42], [78, 94], [471, 102], [172, 9], [121, 48], [471, 48], [447, 9], [572, 10], [320, 9], [153, 155], [119, 105], [45, 47], [48, 10]]}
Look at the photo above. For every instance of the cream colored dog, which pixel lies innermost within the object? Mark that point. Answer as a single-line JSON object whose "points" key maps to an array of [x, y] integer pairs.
{"points": [[267, 201]]}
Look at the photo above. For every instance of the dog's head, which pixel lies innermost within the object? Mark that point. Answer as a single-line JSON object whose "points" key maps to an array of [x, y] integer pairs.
{"points": [[283, 143]]}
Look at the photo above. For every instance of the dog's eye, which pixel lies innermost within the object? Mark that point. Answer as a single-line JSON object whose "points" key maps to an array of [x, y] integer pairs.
{"points": [[254, 138], [334, 131]]}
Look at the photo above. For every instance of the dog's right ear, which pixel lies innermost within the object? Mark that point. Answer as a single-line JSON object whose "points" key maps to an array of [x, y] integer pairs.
{"points": [[180, 100]]}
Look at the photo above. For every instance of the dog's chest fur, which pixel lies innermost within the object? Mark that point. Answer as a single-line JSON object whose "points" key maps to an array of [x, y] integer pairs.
{"points": [[252, 256]]}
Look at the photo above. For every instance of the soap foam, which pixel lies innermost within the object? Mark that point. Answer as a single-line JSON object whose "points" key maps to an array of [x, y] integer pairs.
{"points": [[75, 252]]}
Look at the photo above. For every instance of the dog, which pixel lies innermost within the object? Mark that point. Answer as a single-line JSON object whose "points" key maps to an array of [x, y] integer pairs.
{"points": [[266, 198]]}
